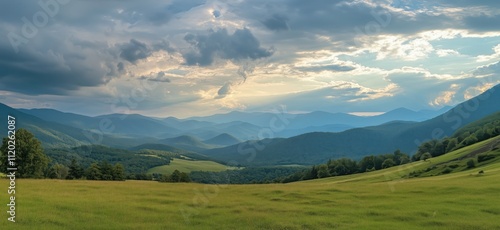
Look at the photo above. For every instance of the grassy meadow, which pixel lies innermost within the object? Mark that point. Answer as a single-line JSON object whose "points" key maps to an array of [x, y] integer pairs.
{"points": [[376, 200], [188, 165]]}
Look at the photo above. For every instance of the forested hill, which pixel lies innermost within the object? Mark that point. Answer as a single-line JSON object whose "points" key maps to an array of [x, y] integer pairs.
{"points": [[315, 148]]}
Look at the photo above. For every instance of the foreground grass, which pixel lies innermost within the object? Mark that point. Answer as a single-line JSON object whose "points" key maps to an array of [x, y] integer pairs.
{"points": [[375, 200], [453, 201], [189, 165]]}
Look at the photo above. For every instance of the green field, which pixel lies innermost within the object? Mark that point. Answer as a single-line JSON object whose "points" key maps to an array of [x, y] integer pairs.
{"points": [[375, 200], [189, 165]]}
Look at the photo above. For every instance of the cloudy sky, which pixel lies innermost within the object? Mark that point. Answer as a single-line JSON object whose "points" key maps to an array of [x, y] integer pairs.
{"points": [[185, 58]]}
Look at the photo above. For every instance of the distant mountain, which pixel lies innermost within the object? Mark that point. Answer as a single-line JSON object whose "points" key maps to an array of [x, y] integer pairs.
{"points": [[132, 125], [256, 118], [53, 134], [314, 148], [238, 129], [187, 142], [319, 121], [223, 140], [186, 124]]}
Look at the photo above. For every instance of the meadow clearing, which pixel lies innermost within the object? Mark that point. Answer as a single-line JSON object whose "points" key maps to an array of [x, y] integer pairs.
{"points": [[189, 165]]}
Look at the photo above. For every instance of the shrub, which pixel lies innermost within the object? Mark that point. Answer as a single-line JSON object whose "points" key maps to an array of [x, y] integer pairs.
{"points": [[484, 157], [447, 170], [471, 164]]}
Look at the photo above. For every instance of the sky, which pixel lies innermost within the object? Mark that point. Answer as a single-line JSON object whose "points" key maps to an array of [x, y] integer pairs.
{"points": [[192, 58]]}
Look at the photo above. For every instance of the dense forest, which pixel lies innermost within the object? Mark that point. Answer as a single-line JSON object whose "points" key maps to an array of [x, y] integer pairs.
{"points": [[470, 134], [252, 175]]}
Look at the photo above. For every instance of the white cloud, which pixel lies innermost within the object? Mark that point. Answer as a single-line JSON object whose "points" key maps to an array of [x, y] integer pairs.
{"points": [[446, 52], [491, 57]]}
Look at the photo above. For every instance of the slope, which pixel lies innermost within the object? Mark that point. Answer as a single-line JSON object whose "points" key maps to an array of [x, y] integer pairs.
{"points": [[377, 200], [315, 148], [54, 135], [222, 140], [187, 142]]}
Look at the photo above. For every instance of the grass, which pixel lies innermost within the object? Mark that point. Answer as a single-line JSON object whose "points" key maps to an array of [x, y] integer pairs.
{"points": [[376, 200], [189, 165]]}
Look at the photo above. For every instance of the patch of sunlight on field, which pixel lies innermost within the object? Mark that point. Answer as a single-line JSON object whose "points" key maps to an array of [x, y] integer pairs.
{"points": [[188, 166]]}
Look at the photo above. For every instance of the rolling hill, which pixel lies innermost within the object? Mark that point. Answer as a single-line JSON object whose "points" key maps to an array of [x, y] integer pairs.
{"points": [[187, 142], [384, 199], [55, 134], [315, 148], [222, 140]]}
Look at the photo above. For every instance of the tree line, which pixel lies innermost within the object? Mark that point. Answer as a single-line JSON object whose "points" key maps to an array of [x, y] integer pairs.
{"points": [[346, 166], [466, 136]]}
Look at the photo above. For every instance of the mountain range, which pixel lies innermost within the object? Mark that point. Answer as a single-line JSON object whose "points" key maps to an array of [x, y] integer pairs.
{"points": [[318, 147], [308, 138]]}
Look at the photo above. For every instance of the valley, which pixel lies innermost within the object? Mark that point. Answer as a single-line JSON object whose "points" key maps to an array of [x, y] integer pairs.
{"points": [[381, 199]]}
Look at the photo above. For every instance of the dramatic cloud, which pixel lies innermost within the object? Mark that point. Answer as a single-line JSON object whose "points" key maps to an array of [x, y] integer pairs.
{"points": [[208, 57], [52, 71], [224, 91], [277, 23], [160, 77], [220, 44], [134, 51]]}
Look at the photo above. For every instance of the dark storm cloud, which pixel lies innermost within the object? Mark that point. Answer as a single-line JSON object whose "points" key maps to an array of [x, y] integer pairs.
{"points": [[35, 72], [345, 22], [483, 23], [237, 46], [134, 51], [276, 23]]}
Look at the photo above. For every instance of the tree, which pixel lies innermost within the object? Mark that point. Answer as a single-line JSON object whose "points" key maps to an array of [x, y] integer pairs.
{"points": [[388, 163], [471, 164], [118, 172], [367, 163], [58, 171], [30, 159], [106, 170], [93, 172], [425, 156], [185, 177], [176, 176], [75, 170], [323, 171], [340, 170], [404, 160], [451, 145], [472, 139]]}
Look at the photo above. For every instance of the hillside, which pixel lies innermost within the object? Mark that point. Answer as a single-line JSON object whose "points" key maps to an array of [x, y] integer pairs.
{"points": [[119, 124], [56, 135], [385, 199], [186, 142], [167, 148], [315, 148], [223, 140]]}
